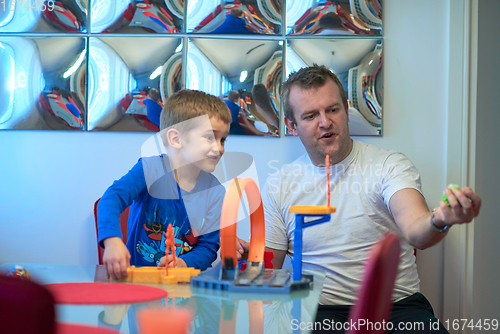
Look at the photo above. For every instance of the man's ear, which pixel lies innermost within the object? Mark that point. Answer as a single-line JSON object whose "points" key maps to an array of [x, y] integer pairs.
{"points": [[174, 138], [291, 126]]}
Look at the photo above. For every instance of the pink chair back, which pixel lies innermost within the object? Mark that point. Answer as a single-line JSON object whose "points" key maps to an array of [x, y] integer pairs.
{"points": [[25, 307], [374, 299]]}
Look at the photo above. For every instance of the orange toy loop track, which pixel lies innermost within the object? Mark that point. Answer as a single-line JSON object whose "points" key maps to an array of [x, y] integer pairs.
{"points": [[229, 218]]}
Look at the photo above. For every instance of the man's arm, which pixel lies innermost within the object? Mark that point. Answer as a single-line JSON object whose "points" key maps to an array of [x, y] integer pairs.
{"points": [[412, 215], [279, 257]]}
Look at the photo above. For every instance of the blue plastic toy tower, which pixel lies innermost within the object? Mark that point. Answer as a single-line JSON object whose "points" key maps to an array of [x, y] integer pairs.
{"points": [[299, 226], [323, 215]]}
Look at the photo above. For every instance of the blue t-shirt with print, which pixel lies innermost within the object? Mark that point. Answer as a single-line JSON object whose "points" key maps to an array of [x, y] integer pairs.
{"points": [[155, 201]]}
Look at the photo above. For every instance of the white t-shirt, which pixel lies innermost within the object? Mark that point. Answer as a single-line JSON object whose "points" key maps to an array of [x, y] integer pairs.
{"points": [[360, 186]]}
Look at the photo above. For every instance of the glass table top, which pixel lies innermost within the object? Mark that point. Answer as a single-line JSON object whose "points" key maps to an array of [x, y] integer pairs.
{"points": [[213, 310]]}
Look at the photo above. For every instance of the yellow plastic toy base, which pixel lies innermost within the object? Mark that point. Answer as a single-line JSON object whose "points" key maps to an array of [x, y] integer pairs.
{"points": [[312, 210], [156, 275], [179, 275]]}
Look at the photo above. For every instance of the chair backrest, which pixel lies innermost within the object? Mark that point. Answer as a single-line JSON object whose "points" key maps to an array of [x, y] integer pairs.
{"points": [[25, 307], [374, 299], [123, 227]]}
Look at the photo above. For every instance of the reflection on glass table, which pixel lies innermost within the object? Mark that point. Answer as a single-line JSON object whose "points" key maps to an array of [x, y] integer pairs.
{"points": [[143, 16], [341, 17], [40, 89], [214, 312], [43, 16], [358, 65], [238, 17]]}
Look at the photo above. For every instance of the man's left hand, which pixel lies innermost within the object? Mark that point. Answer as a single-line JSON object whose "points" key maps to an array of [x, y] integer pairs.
{"points": [[464, 206]]}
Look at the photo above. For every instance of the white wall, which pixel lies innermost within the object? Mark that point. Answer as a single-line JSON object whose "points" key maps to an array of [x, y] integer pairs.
{"points": [[49, 180], [486, 293], [415, 108]]}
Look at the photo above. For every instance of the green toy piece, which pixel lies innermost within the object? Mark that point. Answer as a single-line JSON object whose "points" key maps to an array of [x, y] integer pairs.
{"points": [[450, 186]]}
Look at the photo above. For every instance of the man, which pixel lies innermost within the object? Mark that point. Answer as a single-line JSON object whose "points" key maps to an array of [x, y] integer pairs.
{"points": [[374, 190]]}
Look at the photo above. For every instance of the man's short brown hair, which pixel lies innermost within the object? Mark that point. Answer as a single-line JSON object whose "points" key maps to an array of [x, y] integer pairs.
{"points": [[307, 78], [187, 104]]}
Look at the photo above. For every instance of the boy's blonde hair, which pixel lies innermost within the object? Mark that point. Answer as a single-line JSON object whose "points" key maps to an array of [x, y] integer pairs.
{"points": [[187, 104]]}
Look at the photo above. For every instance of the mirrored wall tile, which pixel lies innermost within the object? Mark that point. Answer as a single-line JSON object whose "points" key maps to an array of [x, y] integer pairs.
{"points": [[252, 17], [43, 16], [341, 17], [249, 80], [42, 83], [137, 17], [358, 65], [129, 79]]}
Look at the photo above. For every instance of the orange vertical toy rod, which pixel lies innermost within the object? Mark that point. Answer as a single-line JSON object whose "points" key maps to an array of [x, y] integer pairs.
{"points": [[328, 177], [171, 242], [166, 252]]}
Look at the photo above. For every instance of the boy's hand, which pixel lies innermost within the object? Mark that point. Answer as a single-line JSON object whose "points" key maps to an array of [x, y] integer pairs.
{"points": [[242, 248], [179, 263], [116, 258]]}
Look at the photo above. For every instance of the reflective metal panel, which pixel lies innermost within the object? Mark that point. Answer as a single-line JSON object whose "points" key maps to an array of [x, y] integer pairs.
{"points": [[341, 17], [146, 16], [358, 65], [238, 17], [43, 16], [253, 70], [123, 71], [42, 83]]}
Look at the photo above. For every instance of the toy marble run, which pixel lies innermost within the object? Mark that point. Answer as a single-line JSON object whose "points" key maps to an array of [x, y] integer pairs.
{"points": [[155, 274], [255, 278]]}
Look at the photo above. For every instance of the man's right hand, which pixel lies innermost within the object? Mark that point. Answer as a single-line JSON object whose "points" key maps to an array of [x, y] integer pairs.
{"points": [[116, 258]]}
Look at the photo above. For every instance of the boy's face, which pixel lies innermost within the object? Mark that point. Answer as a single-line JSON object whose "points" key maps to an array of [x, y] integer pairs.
{"points": [[204, 145]]}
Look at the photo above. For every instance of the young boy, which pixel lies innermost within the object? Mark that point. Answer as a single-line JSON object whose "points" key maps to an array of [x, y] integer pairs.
{"points": [[176, 188], [154, 106], [232, 103]]}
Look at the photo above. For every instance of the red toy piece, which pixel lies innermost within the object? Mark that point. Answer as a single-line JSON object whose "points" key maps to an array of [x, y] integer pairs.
{"points": [[170, 245]]}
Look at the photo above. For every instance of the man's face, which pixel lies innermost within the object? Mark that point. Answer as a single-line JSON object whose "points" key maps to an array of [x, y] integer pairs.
{"points": [[321, 122]]}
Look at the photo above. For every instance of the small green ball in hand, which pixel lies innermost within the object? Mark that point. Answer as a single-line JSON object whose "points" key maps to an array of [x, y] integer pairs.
{"points": [[450, 186]]}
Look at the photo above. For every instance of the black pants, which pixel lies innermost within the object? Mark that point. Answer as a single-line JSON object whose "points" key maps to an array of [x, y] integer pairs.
{"points": [[413, 314]]}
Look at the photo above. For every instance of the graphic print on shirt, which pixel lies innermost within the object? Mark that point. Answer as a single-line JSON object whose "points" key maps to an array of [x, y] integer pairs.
{"points": [[152, 248], [153, 226], [183, 240]]}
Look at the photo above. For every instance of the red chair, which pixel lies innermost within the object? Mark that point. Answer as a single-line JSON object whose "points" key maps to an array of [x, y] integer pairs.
{"points": [[124, 104], [25, 307], [374, 299], [123, 227]]}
